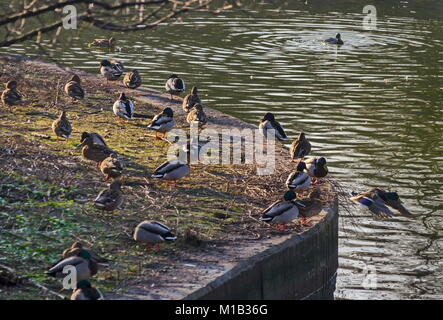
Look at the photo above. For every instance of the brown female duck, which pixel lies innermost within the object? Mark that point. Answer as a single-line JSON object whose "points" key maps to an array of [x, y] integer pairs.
{"points": [[111, 167], [191, 99], [74, 89], [61, 126], [110, 199]]}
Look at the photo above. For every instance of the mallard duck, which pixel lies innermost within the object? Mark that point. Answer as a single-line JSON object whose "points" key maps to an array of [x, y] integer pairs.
{"points": [[111, 70], [132, 80], [300, 147], [282, 212], [162, 122], [61, 126], [74, 89], [172, 170], [337, 40], [174, 85], [316, 167], [96, 138], [108, 43], [191, 99], [268, 122], [123, 107], [84, 266], [10, 96], [299, 180], [197, 115], [153, 232], [84, 291], [110, 199], [111, 167], [75, 249], [95, 152], [377, 201]]}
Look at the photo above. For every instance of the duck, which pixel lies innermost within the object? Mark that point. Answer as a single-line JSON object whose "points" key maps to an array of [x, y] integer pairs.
{"points": [[110, 199], [268, 122], [172, 170], [378, 202], [283, 211], [197, 115], [84, 265], [337, 40], [85, 291], [174, 85], [111, 70], [316, 168], [10, 96], [299, 180], [190, 100], [95, 152], [96, 138], [162, 122], [149, 232], [300, 147], [108, 43], [61, 126], [123, 107], [73, 88], [132, 80], [111, 167], [76, 247]]}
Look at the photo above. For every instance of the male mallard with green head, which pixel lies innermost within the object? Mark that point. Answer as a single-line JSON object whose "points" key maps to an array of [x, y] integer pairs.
{"points": [[337, 40], [162, 122], [174, 85], [95, 152], [111, 167], [282, 212], [84, 265], [73, 88], [132, 79], [197, 115], [300, 147], [267, 123], [61, 126], [123, 107], [110, 199], [316, 168], [111, 70], [299, 180], [378, 202], [191, 99], [84, 291], [10, 96], [153, 232], [172, 170]]}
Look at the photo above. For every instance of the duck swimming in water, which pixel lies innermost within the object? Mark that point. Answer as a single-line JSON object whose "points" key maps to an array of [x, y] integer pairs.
{"points": [[337, 40]]}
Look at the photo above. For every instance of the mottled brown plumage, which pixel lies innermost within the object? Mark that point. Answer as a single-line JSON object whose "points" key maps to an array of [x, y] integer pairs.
{"points": [[111, 167], [197, 114], [10, 95], [95, 152], [75, 249], [61, 126], [132, 79], [110, 199], [300, 147], [191, 99], [73, 88]]}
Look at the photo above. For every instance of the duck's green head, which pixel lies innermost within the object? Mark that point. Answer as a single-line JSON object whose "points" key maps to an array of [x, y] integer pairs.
{"points": [[172, 76], [301, 166], [84, 284], [321, 161], [289, 195], [168, 111], [105, 63], [11, 84], [269, 116], [392, 196], [338, 36], [194, 90], [84, 254], [84, 136], [301, 136], [75, 78], [122, 96]]}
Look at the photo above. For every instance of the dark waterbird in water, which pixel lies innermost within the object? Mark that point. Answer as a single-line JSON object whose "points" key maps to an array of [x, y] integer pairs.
{"points": [[337, 40]]}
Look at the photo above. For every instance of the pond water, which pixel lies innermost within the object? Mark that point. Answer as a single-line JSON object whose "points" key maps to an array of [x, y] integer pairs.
{"points": [[372, 107]]}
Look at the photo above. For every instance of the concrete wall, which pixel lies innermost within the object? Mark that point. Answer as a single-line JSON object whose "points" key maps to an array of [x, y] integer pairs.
{"points": [[302, 267]]}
